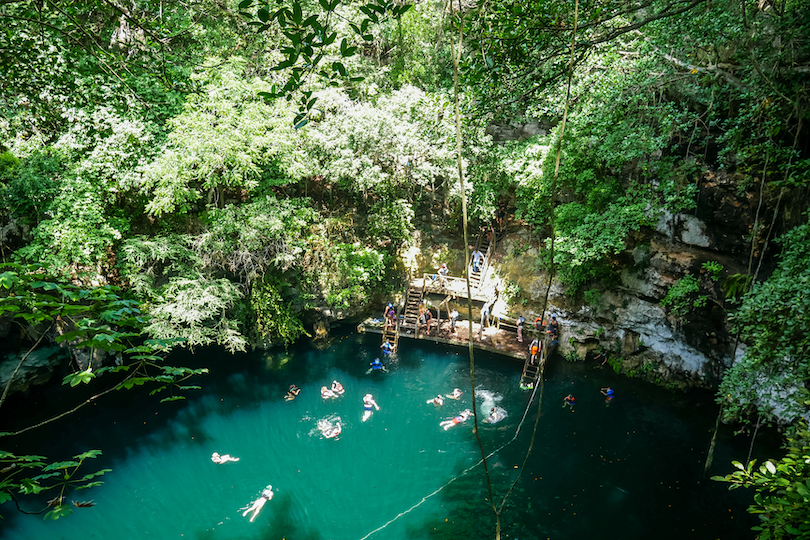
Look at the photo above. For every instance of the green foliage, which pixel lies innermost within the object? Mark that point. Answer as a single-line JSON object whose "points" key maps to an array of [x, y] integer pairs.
{"points": [[681, 297], [311, 40], [32, 475], [200, 311], [713, 268], [250, 239], [587, 240], [391, 223], [275, 318], [28, 186], [782, 500], [392, 149], [351, 275], [773, 322], [226, 138]]}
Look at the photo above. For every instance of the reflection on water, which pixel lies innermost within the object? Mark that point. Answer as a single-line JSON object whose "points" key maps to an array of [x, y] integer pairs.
{"points": [[629, 470]]}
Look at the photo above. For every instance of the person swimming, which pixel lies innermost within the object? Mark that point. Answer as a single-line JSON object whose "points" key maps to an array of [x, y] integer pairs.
{"points": [[608, 393], [456, 394], [462, 417], [376, 365], [327, 393], [337, 388], [292, 392], [328, 429], [496, 414], [224, 458], [438, 400], [569, 400], [368, 403], [259, 503]]}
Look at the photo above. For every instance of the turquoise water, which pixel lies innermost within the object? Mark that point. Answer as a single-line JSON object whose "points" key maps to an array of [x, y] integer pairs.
{"points": [[629, 469]]}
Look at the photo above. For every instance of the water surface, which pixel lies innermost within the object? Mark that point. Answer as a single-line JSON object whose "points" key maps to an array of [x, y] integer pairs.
{"points": [[629, 469]]}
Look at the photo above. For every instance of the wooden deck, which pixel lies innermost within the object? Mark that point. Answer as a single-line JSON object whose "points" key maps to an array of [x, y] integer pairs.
{"points": [[497, 340], [500, 338]]}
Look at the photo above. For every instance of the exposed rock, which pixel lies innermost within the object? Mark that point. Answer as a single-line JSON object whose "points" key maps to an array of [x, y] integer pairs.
{"points": [[37, 368]]}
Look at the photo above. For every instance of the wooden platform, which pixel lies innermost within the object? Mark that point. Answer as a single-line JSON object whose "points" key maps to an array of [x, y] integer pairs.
{"points": [[500, 341]]}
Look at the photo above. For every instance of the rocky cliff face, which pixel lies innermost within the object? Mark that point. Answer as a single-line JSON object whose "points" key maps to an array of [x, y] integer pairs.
{"points": [[629, 320]]}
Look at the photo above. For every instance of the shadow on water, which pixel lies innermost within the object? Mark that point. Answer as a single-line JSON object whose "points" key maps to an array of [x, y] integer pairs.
{"points": [[630, 468]]}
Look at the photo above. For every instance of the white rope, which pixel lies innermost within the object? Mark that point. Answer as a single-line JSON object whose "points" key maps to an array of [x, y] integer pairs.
{"points": [[463, 473]]}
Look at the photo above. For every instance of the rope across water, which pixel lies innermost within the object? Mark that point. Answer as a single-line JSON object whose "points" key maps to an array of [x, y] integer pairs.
{"points": [[462, 473]]}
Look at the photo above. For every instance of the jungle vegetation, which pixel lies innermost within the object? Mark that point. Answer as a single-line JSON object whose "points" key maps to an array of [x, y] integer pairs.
{"points": [[214, 173]]}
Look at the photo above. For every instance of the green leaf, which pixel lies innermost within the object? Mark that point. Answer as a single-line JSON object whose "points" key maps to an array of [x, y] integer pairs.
{"points": [[89, 454], [61, 465], [8, 279], [59, 511], [173, 398]]}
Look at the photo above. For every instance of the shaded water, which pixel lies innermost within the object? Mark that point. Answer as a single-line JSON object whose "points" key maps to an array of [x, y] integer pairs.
{"points": [[630, 469]]}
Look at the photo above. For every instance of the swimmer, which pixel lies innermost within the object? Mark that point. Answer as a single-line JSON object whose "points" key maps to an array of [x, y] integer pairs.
{"points": [[337, 388], [259, 503], [368, 403], [326, 393], [224, 458], [569, 400], [291, 393], [376, 365], [328, 429], [438, 400], [608, 393], [496, 414], [456, 394], [333, 432], [388, 347], [462, 417]]}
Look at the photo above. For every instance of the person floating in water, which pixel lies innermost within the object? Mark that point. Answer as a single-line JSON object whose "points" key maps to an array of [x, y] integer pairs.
{"points": [[462, 417], [291, 393], [327, 393], [337, 388], [438, 400], [368, 403], [388, 347], [496, 414], [328, 429], [259, 503], [608, 393], [569, 400], [376, 365], [456, 394], [224, 458]]}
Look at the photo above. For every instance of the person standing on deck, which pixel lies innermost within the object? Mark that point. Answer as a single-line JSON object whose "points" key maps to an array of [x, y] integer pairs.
{"points": [[477, 259], [553, 328], [534, 350], [453, 319], [520, 322], [443, 273]]}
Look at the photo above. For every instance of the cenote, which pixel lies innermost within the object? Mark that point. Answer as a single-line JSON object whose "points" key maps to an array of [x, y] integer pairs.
{"points": [[630, 469]]}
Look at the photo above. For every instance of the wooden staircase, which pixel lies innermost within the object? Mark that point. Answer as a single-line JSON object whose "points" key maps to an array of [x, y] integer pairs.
{"points": [[410, 320], [532, 372]]}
